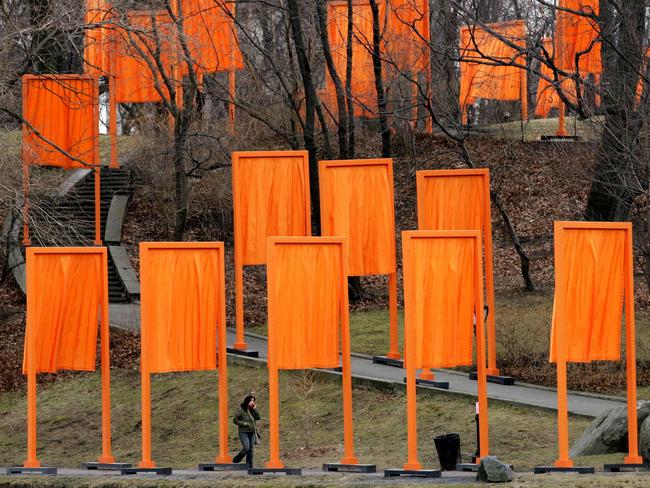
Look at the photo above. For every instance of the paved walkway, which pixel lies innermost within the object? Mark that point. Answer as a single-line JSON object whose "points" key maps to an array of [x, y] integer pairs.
{"points": [[127, 316]]}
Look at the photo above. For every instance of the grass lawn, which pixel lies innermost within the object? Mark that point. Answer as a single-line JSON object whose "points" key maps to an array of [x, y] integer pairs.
{"points": [[185, 422], [587, 130]]}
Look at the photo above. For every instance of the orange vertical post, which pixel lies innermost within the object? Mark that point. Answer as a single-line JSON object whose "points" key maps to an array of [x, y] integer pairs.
{"points": [[98, 207], [412, 462], [348, 429], [393, 347], [630, 353], [105, 359], [563, 460], [223, 456], [30, 338], [145, 380], [480, 353]]}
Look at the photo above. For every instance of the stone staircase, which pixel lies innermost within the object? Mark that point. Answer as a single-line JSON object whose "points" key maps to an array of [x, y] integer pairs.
{"points": [[68, 219]]}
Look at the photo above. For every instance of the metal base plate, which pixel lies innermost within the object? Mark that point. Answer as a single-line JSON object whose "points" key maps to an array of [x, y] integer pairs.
{"points": [[467, 467], [224, 466], [350, 468], [444, 385], [105, 466], [556, 138], [398, 363], [159, 471], [287, 471], [617, 468], [46, 470], [420, 473], [555, 469], [243, 352], [501, 380]]}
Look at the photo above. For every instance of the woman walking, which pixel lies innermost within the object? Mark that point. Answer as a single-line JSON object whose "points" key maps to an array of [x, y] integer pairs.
{"points": [[245, 419]]}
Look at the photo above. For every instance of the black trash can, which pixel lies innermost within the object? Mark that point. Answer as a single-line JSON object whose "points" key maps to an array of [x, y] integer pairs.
{"points": [[448, 448]]}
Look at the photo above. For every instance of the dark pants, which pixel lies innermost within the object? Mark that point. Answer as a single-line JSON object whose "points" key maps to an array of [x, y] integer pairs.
{"points": [[248, 445]]}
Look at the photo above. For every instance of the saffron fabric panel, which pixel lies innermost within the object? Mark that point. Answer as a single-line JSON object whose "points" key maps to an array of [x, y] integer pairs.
{"points": [[547, 95], [209, 28], [357, 201], [452, 199], [589, 289], [407, 36], [577, 35], [64, 293], [271, 198], [485, 55], [363, 79], [180, 305], [64, 110], [140, 35], [439, 290], [305, 281], [97, 41]]}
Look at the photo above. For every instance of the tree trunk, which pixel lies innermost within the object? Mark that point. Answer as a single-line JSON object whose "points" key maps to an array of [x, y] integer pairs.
{"points": [[386, 147], [338, 84], [310, 100], [348, 79], [613, 191]]}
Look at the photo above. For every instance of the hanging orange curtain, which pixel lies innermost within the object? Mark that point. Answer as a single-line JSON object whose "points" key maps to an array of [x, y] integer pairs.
{"points": [[63, 299], [304, 302], [363, 79], [483, 53], [270, 198], [439, 197], [547, 96], [357, 201], [644, 70], [64, 109], [442, 282], [135, 65], [577, 36], [589, 281], [180, 305], [96, 39], [211, 35], [406, 39]]}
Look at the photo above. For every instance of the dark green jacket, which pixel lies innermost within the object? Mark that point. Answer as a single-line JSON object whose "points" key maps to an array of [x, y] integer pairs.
{"points": [[243, 419]]}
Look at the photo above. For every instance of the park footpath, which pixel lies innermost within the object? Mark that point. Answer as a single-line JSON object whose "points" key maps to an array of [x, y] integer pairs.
{"points": [[127, 316]]}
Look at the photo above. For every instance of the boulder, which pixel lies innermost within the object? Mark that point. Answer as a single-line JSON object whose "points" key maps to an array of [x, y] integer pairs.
{"points": [[608, 432], [494, 471], [644, 438]]}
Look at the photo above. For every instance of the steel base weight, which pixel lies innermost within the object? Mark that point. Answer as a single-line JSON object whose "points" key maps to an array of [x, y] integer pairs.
{"points": [[617, 468], [250, 353], [287, 471], [159, 471], [500, 380], [397, 363], [96, 466], [555, 469], [44, 470], [418, 473], [224, 467], [349, 468]]}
